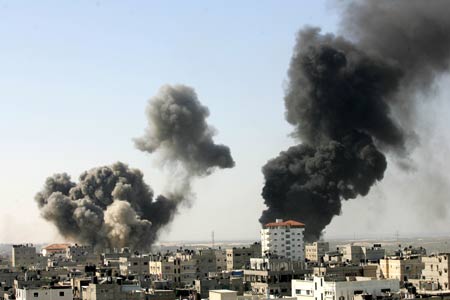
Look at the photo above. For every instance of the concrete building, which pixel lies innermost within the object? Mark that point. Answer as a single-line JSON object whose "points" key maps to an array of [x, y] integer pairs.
{"points": [[273, 275], [283, 238], [352, 254], [134, 265], [203, 286], [436, 270], [55, 250], [109, 290], [23, 256], [318, 288], [402, 268], [180, 268], [222, 295], [221, 259], [239, 258], [45, 293], [374, 253], [315, 252]]}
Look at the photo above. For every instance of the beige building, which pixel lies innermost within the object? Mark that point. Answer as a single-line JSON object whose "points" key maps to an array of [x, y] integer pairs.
{"points": [[401, 268], [23, 255], [315, 251], [436, 269], [134, 265], [180, 268], [239, 258]]}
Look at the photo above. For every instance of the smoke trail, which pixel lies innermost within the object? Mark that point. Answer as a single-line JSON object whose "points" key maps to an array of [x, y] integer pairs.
{"points": [[178, 130], [110, 206], [351, 100]]}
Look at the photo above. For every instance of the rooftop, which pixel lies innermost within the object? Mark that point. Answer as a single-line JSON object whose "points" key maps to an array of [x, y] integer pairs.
{"points": [[288, 223], [57, 247]]}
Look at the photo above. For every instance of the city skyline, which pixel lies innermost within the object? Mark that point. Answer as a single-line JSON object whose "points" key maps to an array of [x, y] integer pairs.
{"points": [[75, 84]]}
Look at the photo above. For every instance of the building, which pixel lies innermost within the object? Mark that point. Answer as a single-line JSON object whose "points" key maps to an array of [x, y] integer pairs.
{"points": [[56, 292], [110, 290], [352, 254], [402, 268], [134, 265], [239, 258], [374, 253], [318, 288], [436, 270], [315, 252], [23, 256], [273, 275], [357, 254], [55, 250], [283, 238], [221, 259], [180, 268]]}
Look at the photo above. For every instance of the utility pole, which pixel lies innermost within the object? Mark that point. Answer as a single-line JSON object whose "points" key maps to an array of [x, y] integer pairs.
{"points": [[212, 238]]}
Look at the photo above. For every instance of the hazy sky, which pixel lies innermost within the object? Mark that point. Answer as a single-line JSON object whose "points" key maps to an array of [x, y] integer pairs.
{"points": [[75, 77]]}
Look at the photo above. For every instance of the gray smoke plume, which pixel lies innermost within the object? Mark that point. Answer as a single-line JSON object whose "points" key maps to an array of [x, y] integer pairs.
{"points": [[110, 206], [177, 128], [351, 99], [178, 131]]}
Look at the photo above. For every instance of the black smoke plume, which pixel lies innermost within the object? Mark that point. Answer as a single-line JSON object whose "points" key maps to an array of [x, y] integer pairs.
{"points": [[109, 207], [351, 99]]}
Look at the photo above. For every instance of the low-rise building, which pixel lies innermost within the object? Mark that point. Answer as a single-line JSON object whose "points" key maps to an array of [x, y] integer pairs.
{"points": [[436, 270], [403, 268], [56, 292], [319, 288], [23, 255], [273, 275], [315, 252], [239, 258]]}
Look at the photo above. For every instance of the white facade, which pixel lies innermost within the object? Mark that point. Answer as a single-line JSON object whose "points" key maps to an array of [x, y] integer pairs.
{"points": [[56, 293], [284, 239], [317, 288]]}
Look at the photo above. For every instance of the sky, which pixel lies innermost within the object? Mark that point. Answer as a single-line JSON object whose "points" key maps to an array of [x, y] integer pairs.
{"points": [[75, 77]]}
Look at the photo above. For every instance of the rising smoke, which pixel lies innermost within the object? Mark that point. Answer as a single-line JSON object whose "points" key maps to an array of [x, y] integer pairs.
{"points": [[351, 100], [177, 128], [112, 206]]}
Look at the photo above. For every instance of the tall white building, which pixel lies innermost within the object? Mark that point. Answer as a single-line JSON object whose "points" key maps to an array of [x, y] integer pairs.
{"points": [[283, 238]]}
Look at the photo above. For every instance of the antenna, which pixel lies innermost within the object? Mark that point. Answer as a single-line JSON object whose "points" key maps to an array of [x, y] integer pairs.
{"points": [[212, 238]]}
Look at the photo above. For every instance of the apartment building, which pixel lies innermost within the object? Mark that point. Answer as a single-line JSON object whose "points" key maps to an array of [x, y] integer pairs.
{"points": [[283, 238], [239, 258], [436, 269], [315, 252], [273, 275], [402, 268], [23, 255]]}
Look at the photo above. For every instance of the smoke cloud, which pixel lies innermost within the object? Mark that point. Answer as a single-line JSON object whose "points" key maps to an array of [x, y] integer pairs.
{"points": [[178, 131], [177, 128], [109, 207], [352, 100], [112, 206]]}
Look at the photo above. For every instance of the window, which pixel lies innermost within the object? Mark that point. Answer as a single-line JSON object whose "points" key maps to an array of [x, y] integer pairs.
{"points": [[61, 294], [36, 295]]}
